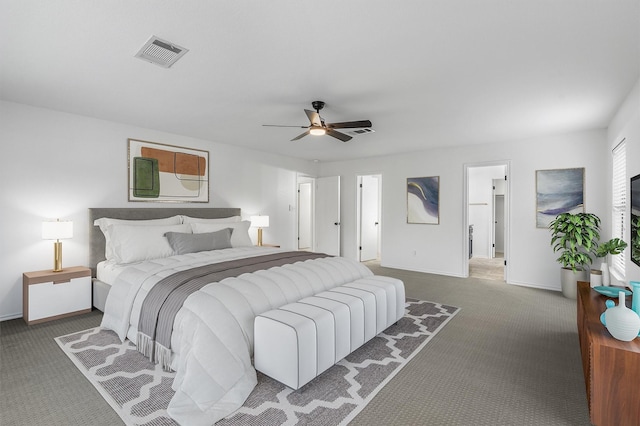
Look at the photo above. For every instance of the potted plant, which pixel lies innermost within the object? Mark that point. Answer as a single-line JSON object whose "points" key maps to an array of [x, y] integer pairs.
{"points": [[576, 237], [613, 247]]}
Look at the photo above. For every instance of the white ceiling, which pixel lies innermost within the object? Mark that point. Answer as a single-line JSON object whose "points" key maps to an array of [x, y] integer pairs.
{"points": [[427, 73]]}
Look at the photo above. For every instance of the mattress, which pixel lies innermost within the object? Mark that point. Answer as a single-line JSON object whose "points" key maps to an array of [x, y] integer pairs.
{"points": [[107, 272], [100, 292]]}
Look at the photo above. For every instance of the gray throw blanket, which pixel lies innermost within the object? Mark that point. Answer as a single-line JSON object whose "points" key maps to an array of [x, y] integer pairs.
{"points": [[165, 299]]}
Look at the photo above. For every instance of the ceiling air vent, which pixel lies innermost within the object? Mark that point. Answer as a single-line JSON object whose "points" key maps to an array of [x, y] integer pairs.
{"points": [[362, 131], [161, 52]]}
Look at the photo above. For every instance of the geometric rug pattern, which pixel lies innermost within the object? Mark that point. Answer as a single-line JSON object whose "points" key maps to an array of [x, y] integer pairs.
{"points": [[140, 391]]}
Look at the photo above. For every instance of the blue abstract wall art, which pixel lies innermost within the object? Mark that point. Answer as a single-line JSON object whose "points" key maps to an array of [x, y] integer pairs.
{"points": [[423, 200], [558, 191]]}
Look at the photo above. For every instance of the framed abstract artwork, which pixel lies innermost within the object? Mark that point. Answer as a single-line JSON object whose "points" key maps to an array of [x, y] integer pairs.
{"points": [[635, 220], [168, 173], [558, 191], [423, 200]]}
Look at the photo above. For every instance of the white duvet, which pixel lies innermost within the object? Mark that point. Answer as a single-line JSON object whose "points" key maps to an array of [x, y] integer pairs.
{"points": [[212, 342]]}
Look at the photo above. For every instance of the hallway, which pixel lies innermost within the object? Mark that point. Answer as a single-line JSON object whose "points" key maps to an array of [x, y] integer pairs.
{"points": [[488, 269]]}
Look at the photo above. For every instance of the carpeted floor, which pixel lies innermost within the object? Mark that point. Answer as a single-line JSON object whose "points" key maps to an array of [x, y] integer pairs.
{"points": [[140, 390], [511, 357]]}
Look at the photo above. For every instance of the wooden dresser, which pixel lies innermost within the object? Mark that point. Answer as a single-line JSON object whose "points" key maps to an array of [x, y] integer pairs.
{"points": [[611, 367]]}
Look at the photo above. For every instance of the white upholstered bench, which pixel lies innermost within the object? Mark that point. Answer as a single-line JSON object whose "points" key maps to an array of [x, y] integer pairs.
{"points": [[297, 342]]}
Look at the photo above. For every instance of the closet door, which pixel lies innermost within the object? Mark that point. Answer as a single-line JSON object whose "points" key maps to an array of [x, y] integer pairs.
{"points": [[327, 208]]}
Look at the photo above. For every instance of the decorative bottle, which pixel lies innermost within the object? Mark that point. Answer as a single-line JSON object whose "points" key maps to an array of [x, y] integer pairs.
{"points": [[622, 322]]}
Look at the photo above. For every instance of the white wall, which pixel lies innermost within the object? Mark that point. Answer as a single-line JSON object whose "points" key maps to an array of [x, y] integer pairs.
{"points": [[440, 248], [626, 125], [57, 165]]}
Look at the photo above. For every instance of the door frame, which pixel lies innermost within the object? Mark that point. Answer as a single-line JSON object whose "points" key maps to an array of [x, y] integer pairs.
{"points": [[507, 213]]}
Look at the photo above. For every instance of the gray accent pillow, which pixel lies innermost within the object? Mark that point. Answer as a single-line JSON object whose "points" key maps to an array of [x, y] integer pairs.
{"points": [[183, 243]]}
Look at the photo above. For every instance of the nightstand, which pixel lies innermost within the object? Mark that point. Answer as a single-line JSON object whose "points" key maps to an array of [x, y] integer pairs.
{"points": [[48, 295]]}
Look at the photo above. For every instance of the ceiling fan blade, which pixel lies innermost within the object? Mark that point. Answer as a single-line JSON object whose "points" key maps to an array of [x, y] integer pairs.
{"points": [[314, 117], [338, 135], [278, 125], [350, 124], [301, 136]]}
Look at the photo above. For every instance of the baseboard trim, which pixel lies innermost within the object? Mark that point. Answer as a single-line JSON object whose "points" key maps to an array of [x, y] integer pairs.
{"points": [[10, 317], [531, 285], [449, 274], [424, 271]]}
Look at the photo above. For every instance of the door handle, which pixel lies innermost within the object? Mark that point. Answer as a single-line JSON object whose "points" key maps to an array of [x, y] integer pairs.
{"points": [[375, 223], [336, 223]]}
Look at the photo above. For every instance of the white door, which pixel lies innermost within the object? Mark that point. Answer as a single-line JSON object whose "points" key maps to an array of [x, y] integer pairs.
{"points": [[304, 217], [369, 220], [493, 223], [327, 208], [499, 222]]}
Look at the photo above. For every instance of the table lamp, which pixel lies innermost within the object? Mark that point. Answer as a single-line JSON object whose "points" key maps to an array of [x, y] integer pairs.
{"points": [[260, 222], [57, 230]]}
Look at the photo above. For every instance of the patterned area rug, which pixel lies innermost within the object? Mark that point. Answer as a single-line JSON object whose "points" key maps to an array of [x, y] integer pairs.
{"points": [[140, 391]]}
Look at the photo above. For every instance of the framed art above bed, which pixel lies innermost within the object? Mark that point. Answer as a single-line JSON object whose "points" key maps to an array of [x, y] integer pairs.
{"points": [[159, 172]]}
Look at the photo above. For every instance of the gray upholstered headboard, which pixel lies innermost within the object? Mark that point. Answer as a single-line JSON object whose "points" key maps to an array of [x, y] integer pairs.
{"points": [[96, 238]]}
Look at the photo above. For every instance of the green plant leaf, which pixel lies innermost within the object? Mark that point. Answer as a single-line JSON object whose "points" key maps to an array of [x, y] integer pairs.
{"points": [[576, 237]]}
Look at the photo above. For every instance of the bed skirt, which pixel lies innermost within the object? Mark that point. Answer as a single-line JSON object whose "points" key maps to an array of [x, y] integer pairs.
{"points": [[100, 293]]}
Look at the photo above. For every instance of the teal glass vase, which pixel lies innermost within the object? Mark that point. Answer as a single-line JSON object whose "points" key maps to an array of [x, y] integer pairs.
{"points": [[635, 302]]}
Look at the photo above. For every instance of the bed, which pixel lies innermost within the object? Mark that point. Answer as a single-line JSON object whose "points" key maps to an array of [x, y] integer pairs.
{"points": [[97, 239], [206, 334]]}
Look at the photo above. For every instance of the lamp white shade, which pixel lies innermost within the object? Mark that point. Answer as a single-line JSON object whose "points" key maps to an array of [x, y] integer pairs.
{"points": [[58, 230], [260, 221]]}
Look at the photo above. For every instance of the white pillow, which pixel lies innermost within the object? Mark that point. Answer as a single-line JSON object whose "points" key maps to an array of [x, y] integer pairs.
{"points": [[132, 243], [239, 237], [104, 222], [189, 219]]}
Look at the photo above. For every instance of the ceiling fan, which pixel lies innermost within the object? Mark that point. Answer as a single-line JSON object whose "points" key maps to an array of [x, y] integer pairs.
{"points": [[319, 127]]}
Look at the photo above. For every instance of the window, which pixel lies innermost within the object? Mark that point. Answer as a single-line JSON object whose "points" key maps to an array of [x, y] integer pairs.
{"points": [[619, 202]]}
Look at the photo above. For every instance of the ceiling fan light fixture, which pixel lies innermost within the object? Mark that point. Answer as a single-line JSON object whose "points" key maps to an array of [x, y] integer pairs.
{"points": [[318, 127], [318, 131]]}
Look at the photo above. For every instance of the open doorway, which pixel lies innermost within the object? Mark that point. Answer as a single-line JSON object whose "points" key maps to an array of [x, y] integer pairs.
{"points": [[368, 212], [486, 220]]}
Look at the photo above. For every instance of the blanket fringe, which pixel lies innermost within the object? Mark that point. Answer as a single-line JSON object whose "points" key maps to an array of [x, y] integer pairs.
{"points": [[153, 350], [163, 357], [145, 345]]}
